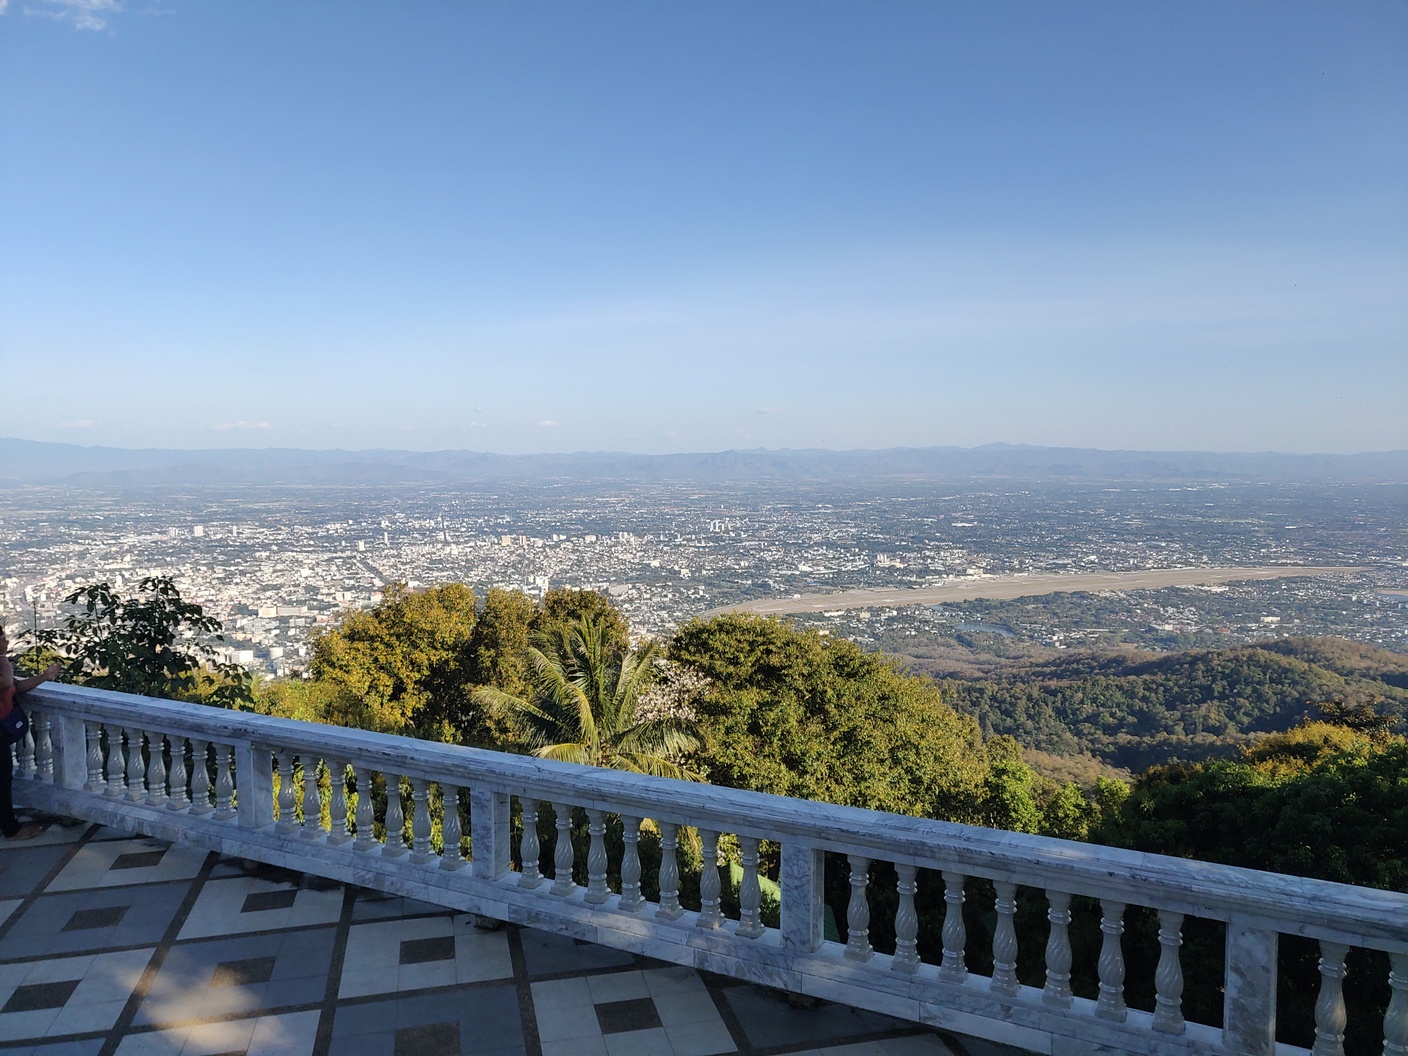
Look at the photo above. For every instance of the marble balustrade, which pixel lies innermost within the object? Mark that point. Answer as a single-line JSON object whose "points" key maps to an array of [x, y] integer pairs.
{"points": [[302, 796]]}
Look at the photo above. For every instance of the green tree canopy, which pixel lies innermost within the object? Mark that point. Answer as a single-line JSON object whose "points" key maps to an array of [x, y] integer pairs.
{"points": [[565, 606], [403, 666], [153, 643], [499, 644], [584, 704], [793, 712]]}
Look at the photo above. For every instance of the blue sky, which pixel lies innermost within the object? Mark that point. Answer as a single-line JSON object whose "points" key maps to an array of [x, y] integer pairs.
{"points": [[698, 226]]}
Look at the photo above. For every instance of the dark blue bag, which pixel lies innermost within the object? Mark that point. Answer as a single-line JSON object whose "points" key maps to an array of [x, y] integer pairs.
{"points": [[14, 726]]}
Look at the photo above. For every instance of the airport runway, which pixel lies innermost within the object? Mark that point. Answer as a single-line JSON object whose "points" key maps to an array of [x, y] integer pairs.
{"points": [[1022, 586]]}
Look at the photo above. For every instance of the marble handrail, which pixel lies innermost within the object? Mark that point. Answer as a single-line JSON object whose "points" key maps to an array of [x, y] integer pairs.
{"points": [[254, 752]]}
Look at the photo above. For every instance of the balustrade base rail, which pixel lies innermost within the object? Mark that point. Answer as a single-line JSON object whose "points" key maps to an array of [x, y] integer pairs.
{"points": [[966, 1008], [301, 797]]}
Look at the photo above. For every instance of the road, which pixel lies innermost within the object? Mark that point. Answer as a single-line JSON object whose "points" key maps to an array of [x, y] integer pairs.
{"points": [[1023, 586]]}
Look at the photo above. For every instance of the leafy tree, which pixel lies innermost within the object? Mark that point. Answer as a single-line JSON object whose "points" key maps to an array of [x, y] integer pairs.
{"points": [[499, 644], [792, 712], [566, 606], [1320, 800], [149, 644], [583, 705], [403, 666]]}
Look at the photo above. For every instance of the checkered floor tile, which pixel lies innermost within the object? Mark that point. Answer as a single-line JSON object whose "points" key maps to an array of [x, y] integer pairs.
{"points": [[114, 945]]}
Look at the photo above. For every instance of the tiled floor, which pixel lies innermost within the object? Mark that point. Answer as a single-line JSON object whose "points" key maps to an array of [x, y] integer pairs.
{"points": [[119, 946]]}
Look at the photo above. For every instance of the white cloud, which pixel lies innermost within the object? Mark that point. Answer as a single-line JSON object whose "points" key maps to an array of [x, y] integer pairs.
{"points": [[4, 4], [241, 424], [81, 423], [548, 423], [767, 410], [81, 14]]}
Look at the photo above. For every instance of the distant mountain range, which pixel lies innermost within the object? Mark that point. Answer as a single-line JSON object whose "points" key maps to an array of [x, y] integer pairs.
{"points": [[33, 462]]}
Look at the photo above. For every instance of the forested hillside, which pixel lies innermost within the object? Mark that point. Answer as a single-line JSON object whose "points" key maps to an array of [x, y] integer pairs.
{"points": [[1135, 710]]}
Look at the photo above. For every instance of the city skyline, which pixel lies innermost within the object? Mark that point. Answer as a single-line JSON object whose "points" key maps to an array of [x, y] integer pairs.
{"points": [[701, 229]]}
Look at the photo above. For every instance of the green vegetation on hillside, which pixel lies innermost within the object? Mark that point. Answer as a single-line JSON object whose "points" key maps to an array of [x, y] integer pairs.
{"points": [[1134, 710]]}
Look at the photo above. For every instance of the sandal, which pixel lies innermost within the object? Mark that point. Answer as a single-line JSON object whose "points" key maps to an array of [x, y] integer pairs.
{"points": [[29, 832]]}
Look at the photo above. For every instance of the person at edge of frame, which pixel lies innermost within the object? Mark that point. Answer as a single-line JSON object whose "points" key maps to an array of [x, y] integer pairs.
{"points": [[10, 688]]}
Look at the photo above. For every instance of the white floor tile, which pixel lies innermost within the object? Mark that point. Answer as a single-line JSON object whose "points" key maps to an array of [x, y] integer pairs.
{"points": [[618, 986], [289, 1035]]}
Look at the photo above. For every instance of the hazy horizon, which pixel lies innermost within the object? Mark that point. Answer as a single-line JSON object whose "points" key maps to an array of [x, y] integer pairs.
{"points": [[992, 445]]}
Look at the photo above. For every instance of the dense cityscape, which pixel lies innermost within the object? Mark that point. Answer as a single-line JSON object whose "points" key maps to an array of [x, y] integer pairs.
{"points": [[273, 564]]}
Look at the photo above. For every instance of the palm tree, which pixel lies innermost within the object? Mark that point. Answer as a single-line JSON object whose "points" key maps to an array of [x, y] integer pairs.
{"points": [[584, 705]]}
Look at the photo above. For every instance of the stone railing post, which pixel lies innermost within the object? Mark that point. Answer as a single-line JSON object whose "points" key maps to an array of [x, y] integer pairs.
{"points": [[803, 907], [1249, 996], [254, 778], [70, 752], [490, 853]]}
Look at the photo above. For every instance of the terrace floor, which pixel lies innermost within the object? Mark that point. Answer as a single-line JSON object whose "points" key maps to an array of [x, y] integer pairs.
{"points": [[114, 945]]}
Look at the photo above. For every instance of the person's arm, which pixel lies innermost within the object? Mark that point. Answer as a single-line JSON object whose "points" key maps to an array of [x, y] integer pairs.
{"points": [[24, 685]]}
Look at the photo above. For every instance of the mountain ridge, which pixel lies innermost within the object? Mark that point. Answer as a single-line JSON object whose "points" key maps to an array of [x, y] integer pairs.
{"points": [[34, 462]]}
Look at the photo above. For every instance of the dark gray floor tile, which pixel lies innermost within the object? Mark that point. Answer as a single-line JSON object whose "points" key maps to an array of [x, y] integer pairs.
{"points": [[107, 917], [251, 973], [617, 1017], [34, 996], [22, 868], [421, 951], [545, 954], [258, 901], [137, 860], [243, 973], [433, 1039], [89, 1047], [769, 1020], [53, 923]]}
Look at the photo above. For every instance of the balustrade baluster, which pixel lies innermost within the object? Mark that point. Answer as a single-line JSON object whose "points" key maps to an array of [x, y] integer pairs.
{"points": [[395, 819], [200, 777], [337, 802], [364, 815], [858, 911], [631, 899], [1110, 1004], [597, 891], [1330, 1018], [670, 908], [93, 734], [43, 746], [1168, 976], [312, 802], [710, 916], [1057, 991], [451, 850], [178, 800], [1396, 1017], [117, 762], [136, 769], [224, 782], [906, 958], [953, 969], [528, 849], [26, 752], [562, 883], [1004, 941], [287, 821], [156, 769], [750, 894], [420, 821]]}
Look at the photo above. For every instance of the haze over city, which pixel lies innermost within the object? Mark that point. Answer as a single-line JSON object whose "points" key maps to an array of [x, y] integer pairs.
{"points": [[692, 228]]}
